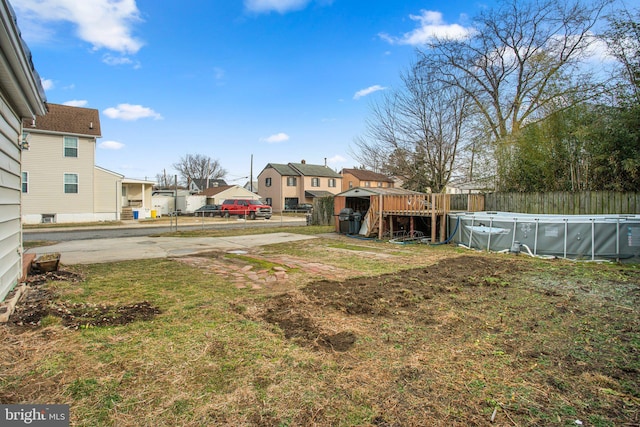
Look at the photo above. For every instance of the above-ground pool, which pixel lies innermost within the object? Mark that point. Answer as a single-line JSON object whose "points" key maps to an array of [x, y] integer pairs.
{"points": [[585, 237]]}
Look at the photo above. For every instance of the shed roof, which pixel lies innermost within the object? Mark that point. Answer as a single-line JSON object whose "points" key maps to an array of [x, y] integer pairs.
{"points": [[370, 191], [67, 119], [365, 175]]}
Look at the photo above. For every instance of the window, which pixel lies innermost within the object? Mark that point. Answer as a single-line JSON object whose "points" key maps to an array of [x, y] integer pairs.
{"points": [[292, 181], [332, 182], [269, 200], [267, 182], [25, 182], [350, 184], [315, 182], [71, 183], [379, 184], [367, 184], [70, 146], [290, 203], [24, 144]]}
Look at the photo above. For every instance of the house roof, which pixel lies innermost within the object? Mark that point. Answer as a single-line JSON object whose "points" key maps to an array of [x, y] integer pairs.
{"points": [[137, 181], [108, 171], [306, 169], [20, 81], [303, 169], [283, 170], [202, 183], [212, 191], [365, 175], [67, 119]]}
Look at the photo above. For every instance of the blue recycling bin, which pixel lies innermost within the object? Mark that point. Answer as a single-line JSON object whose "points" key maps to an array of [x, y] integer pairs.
{"points": [[135, 214]]}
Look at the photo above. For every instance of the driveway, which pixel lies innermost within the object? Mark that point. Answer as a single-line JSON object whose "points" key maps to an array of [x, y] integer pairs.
{"points": [[127, 248]]}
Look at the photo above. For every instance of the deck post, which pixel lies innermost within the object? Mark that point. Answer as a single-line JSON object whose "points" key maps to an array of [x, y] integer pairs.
{"points": [[446, 200], [380, 227], [433, 218]]}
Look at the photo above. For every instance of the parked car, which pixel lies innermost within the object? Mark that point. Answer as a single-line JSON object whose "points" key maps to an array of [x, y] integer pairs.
{"points": [[305, 207], [208, 210], [251, 208]]}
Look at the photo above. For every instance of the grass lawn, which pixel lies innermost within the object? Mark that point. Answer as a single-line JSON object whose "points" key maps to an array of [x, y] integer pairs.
{"points": [[331, 332]]}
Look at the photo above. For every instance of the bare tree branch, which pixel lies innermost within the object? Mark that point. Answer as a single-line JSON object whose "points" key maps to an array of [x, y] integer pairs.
{"points": [[198, 166]]}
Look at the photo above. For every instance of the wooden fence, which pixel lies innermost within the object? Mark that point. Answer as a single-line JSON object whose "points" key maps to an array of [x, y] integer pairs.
{"points": [[564, 203], [467, 202]]}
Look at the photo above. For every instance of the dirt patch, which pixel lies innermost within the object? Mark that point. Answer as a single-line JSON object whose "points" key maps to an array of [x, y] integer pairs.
{"points": [[38, 302], [305, 315], [292, 314], [52, 276]]}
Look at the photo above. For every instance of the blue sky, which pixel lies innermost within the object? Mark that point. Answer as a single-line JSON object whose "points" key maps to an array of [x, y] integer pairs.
{"points": [[282, 80]]}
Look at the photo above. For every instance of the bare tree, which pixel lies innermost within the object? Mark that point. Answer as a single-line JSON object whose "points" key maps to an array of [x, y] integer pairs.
{"points": [[163, 180], [198, 166], [523, 61], [623, 42], [521, 58], [415, 132]]}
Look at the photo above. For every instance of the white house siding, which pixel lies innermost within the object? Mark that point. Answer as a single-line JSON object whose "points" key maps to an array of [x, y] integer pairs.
{"points": [[10, 184], [107, 195], [46, 188]]}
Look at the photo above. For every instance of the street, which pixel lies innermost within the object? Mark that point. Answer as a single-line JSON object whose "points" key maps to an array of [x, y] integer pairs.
{"points": [[140, 229]]}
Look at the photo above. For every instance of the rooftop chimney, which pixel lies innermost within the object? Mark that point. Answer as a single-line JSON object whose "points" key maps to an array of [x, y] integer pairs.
{"points": [[303, 161]]}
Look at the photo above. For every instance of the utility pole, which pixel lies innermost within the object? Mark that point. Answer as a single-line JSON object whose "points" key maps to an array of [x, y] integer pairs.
{"points": [[251, 175]]}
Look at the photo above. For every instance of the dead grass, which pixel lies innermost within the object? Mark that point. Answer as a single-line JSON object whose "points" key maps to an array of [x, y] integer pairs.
{"points": [[414, 336]]}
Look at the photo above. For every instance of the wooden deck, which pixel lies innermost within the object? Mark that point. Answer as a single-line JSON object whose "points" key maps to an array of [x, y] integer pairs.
{"points": [[432, 206]]}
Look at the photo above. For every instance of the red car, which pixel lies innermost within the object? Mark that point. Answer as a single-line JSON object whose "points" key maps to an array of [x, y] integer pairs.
{"points": [[245, 207]]}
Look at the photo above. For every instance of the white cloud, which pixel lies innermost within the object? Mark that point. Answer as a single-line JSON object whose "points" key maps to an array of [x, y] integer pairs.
{"points": [[431, 27], [598, 51], [111, 145], [76, 103], [131, 112], [218, 73], [120, 60], [47, 84], [280, 6], [368, 91], [337, 159], [274, 139], [106, 24], [116, 60]]}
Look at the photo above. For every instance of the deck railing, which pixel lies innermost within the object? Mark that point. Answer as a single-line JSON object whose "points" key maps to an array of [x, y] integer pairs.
{"points": [[421, 204]]}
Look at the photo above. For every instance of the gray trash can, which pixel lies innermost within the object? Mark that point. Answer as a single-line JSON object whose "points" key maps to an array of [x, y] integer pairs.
{"points": [[354, 224], [345, 217]]}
